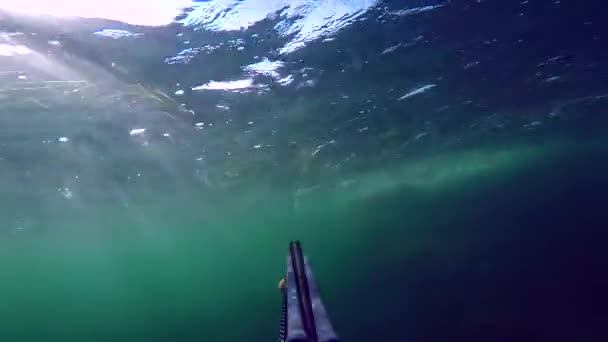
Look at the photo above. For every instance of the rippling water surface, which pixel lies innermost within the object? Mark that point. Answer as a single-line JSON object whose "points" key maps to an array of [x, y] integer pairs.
{"points": [[443, 163]]}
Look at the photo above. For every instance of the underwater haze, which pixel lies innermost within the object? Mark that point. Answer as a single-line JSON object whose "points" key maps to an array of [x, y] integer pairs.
{"points": [[443, 163]]}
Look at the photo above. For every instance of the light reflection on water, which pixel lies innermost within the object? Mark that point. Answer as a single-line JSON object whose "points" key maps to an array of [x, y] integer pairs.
{"points": [[138, 12]]}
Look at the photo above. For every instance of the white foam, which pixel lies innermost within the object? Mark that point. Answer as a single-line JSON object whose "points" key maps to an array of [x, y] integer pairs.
{"points": [[137, 131], [417, 91], [116, 34], [265, 67], [303, 19], [227, 85], [415, 10], [392, 48], [287, 80]]}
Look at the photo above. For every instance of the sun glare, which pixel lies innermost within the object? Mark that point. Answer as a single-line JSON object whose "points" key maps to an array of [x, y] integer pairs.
{"points": [[137, 12]]}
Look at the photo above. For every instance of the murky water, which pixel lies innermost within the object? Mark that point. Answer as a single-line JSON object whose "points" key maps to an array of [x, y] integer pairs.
{"points": [[442, 162]]}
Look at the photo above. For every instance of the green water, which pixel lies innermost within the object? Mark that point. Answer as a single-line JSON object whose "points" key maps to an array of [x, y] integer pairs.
{"points": [[138, 206], [432, 243]]}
